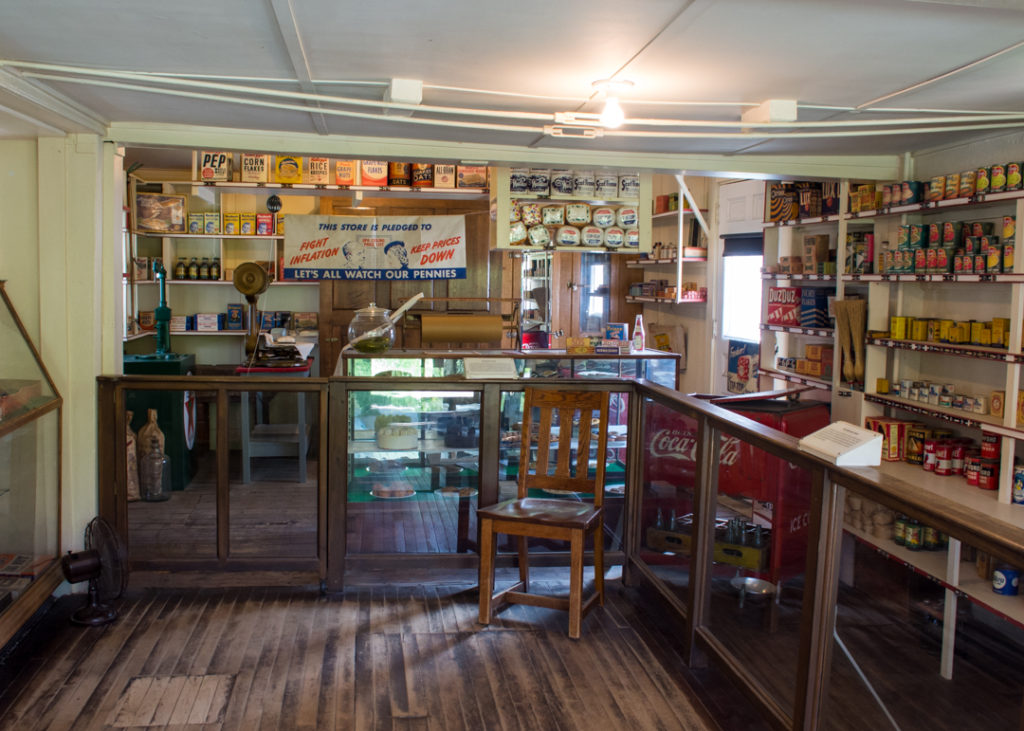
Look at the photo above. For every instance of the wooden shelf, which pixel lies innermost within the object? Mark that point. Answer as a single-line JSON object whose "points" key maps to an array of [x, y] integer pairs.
{"points": [[965, 351], [1005, 278], [814, 220], [770, 276], [639, 263], [935, 206], [817, 332], [675, 214], [798, 378], [403, 191], [169, 235], [954, 416], [210, 333], [928, 563], [138, 336], [591, 201], [665, 300]]}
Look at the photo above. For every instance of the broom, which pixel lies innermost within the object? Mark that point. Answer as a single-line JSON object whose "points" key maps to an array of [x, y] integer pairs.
{"points": [[843, 330], [857, 311]]}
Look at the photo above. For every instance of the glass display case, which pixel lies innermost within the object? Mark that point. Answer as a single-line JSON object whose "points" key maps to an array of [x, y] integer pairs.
{"points": [[30, 424], [654, 365]]}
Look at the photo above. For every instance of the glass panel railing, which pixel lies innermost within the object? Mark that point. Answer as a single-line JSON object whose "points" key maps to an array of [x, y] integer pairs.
{"points": [[273, 487], [413, 471], [929, 631], [28, 504], [668, 492], [172, 509], [758, 564]]}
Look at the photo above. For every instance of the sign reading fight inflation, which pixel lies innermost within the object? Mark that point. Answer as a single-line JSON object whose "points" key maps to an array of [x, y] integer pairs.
{"points": [[381, 247]]}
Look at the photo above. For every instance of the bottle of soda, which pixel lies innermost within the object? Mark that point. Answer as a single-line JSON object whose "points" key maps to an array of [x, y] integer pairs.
{"points": [[215, 269], [204, 268], [180, 269], [193, 269]]}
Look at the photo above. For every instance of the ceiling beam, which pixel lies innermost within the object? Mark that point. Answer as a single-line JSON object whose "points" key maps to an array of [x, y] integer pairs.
{"points": [[866, 167], [284, 16], [48, 100]]}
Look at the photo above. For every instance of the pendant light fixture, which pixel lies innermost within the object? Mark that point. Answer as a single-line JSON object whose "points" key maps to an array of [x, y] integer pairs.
{"points": [[612, 116]]}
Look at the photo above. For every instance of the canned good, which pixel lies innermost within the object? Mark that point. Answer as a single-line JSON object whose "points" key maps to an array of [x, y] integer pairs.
{"points": [[990, 444], [399, 173], [607, 185], [1018, 484], [930, 538], [899, 531], [898, 328], [518, 179], [988, 477], [959, 457], [584, 184], [1005, 580], [972, 468], [944, 458], [913, 537], [540, 181], [561, 183], [930, 457]]}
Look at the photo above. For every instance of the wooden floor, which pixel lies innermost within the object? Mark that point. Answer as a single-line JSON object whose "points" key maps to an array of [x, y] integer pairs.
{"points": [[387, 657]]}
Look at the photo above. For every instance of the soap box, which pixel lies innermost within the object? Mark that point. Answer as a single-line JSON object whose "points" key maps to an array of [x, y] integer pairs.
{"points": [[179, 323], [209, 321], [214, 166], [255, 168], [235, 319], [784, 306], [471, 176]]}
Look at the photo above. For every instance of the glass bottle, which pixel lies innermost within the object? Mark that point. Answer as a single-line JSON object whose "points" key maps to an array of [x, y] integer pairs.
{"points": [[180, 269], [215, 269], [155, 474], [204, 268], [193, 269]]}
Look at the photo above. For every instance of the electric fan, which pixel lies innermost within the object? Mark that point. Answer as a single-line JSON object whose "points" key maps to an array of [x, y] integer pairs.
{"points": [[104, 564]]}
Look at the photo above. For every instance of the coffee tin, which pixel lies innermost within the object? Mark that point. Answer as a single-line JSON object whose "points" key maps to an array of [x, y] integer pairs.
{"points": [[629, 186], [540, 181], [606, 185], [1018, 484], [1005, 580], [561, 183], [519, 180]]}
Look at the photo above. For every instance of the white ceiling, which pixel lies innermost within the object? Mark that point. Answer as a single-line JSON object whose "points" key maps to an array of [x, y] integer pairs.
{"points": [[933, 59]]}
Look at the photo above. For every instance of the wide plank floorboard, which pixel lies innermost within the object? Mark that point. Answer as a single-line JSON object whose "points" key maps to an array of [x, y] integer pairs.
{"points": [[402, 657]]}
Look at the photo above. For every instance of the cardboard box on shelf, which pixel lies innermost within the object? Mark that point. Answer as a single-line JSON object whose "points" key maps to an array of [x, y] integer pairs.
{"points": [[815, 252], [784, 306], [214, 166], [255, 168], [209, 321]]}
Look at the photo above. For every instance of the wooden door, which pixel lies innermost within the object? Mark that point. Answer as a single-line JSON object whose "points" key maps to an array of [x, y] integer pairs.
{"points": [[340, 299]]}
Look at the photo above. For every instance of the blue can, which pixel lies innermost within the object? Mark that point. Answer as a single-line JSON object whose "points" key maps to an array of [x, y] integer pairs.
{"points": [[1005, 580], [1018, 484]]}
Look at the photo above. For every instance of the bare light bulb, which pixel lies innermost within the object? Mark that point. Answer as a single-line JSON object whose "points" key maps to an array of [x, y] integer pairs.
{"points": [[612, 115]]}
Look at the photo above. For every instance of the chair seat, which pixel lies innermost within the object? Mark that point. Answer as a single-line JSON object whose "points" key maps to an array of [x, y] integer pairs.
{"points": [[564, 513]]}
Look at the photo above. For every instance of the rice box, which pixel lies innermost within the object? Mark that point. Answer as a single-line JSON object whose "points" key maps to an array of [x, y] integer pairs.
{"points": [[319, 171], [287, 169], [784, 306], [214, 166], [255, 168]]}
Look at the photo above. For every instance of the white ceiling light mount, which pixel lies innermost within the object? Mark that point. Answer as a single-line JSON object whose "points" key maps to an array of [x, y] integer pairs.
{"points": [[612, 116], [403, 91], [773, 110]]}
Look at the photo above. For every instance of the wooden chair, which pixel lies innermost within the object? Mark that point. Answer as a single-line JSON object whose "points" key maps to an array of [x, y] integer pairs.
{"points": [[552, 518]]}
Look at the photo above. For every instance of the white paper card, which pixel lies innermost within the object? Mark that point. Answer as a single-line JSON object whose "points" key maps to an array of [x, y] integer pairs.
{"points": [[504, 368], [844, 444]]}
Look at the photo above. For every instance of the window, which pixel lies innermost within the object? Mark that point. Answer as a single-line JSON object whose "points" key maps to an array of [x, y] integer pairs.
{"points": [[742, 259]]}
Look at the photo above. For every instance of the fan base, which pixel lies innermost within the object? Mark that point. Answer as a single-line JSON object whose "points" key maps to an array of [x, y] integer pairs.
{"points": [[94, 615]]}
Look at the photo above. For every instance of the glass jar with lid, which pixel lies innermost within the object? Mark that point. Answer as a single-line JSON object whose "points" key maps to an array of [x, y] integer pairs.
{"points": [[372, 321]]}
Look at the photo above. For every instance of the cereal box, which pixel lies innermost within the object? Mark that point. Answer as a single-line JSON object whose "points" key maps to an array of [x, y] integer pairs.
{"points": [[255, 168], [346, 172], [471, 176], [444, 176], [319, 171], [214, 166], [287, 169], [374, 172], [247, 224]]}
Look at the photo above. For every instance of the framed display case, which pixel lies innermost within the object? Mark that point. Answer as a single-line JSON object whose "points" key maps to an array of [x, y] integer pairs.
{"points": [[30, 466], [654, 365]]}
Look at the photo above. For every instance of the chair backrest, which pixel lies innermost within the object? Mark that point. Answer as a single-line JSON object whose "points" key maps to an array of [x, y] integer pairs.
{"points": [[559, 460]]}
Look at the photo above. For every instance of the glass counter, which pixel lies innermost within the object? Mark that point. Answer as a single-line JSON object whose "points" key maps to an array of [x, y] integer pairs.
{"points": [[30, 438], [654, 365]]}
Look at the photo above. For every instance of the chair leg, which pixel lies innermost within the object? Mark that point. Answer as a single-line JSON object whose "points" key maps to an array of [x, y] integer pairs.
{"points": [[486, 579], [524, 564], [599, 561], [576, 584]]}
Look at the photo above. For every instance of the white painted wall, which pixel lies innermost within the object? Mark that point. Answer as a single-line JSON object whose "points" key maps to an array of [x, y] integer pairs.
{"points": [[992, 150], [19, 235]]}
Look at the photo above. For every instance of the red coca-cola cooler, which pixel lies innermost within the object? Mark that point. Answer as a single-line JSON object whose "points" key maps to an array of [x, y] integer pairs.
{"points": [[781, 491]]}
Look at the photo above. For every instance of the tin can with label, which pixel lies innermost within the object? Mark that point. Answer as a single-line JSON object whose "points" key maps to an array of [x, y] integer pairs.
{"points": [[899, 530], [399, 173], [990, 445], [422, 175], [898, 327], [944, 458], [913, 536], [916, 436], [972, 468], [988, 478], [584, 184], [930, 445], [1018, 484], [930, 538], [959, 456], [1005, 580]]}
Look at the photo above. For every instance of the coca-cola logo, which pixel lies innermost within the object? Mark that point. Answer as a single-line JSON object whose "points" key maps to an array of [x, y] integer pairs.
{"points": [[675, 444]]}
